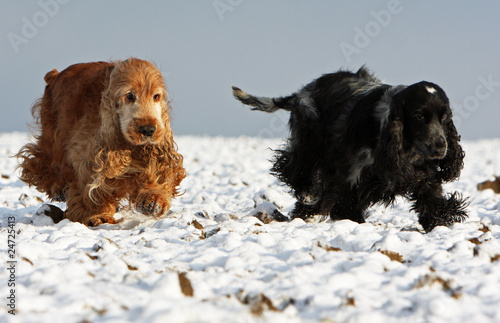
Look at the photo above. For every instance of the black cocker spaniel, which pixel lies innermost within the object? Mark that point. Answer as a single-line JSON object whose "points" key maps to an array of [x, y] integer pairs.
{"points": [[356, 141]]}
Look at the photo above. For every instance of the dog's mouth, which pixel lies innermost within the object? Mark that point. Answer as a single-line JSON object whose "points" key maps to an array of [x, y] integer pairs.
{"points": [[437, 154], [146, 141]]}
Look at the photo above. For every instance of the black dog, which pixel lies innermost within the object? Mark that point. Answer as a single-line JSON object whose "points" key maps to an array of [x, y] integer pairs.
{"points": [[356, 141]]}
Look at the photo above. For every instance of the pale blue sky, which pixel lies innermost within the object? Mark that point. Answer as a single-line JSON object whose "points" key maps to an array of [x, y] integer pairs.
{"points": [[265, 47]]}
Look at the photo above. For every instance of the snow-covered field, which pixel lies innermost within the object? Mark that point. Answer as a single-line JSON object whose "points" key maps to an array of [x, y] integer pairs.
{"points": [[210, 261]]}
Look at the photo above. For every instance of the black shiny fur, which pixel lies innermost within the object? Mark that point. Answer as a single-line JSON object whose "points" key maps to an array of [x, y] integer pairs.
{"points": [[356, 141]]}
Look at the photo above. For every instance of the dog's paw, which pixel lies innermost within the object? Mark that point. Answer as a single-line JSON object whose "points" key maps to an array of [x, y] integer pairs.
{"points": [[267, 212], [274, 216], [100, 219], [318, 218], [153, 204], [447, 211]]}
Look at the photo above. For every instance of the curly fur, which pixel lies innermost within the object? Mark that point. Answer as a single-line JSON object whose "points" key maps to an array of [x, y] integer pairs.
{"points": [[356, 141], [104, 136]]}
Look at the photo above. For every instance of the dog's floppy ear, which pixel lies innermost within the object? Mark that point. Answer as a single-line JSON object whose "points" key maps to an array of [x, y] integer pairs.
{"points": [[168, 156], [453, 162], [397, 105], [114, 88], [110, 123], [390, 149]]}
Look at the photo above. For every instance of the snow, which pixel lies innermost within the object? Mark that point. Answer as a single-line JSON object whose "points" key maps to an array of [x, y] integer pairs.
{"points": [[211, 260]]}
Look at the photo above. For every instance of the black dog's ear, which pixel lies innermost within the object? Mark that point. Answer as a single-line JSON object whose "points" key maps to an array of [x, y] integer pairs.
{"points": [[390, 150], [453, 162], [397, 105]]}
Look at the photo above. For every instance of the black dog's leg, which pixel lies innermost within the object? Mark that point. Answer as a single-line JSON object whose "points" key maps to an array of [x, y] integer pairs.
{"points": [[309, 213], [348, 206], [434, 209]]}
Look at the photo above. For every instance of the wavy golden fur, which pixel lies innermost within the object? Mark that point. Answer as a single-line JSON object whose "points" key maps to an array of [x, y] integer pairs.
{"points": [[104, 136]]}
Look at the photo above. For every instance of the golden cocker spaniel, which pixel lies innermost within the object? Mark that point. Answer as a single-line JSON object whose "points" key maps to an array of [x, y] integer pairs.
{"points": [[104, 137]]}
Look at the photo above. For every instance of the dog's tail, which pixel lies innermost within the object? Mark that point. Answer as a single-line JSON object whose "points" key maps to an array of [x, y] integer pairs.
{"points": [[294, 102], [50, 75], [257, 102]]}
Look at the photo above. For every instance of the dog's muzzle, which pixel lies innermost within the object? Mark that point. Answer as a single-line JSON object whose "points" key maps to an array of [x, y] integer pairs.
{"points": [[438, 149]]}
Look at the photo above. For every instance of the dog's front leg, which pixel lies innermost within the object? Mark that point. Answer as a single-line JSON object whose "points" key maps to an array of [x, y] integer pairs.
{"points": [[347, 205], [434, 209], [309, 212], [82, 209]]}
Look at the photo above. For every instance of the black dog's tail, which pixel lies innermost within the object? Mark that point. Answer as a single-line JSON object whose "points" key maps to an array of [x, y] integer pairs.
{"points": [[258, 102], [300, 102]]}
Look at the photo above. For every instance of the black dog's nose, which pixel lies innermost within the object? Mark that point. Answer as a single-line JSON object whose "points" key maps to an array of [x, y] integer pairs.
{"points": [[148, 130], [440, 143]]}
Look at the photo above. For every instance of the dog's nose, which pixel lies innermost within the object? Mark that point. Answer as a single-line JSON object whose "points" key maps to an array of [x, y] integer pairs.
{"points": [[148, 130], [440, 143]]}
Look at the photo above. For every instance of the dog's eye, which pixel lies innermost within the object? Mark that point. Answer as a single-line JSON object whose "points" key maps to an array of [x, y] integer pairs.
{"points": [[130, 97], [419, 117], [156, 97], [444, 117]]}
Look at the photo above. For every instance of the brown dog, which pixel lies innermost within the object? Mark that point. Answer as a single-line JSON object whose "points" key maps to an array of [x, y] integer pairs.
{"points": [[104, 136]]}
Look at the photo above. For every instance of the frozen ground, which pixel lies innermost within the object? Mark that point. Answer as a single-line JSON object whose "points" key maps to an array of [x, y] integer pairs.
{"points": [[209, 261]]}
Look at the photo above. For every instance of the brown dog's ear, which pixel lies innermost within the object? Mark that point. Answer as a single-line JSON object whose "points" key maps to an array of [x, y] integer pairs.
{"points": [[170, 159], [110, 123], [112, 93], [170, 169], [107, 164]]}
